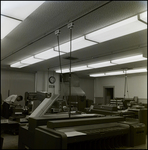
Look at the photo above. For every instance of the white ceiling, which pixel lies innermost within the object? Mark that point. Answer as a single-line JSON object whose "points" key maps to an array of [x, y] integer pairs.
{"points": [[36, 34]]}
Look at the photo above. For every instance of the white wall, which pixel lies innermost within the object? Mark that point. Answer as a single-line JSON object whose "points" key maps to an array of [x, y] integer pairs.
{"points": [[137, 85], [42, 83], [87, 86], [17, 82]]}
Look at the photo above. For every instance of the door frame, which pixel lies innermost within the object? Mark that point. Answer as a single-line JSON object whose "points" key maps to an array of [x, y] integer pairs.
{"points": [[104, 92]]}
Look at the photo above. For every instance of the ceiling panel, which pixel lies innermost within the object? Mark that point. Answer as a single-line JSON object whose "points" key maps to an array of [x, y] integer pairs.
{"points": [[36, 34]]}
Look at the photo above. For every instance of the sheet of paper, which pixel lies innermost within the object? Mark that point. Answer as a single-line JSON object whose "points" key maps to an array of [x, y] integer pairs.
{"points": [[74, 133]]}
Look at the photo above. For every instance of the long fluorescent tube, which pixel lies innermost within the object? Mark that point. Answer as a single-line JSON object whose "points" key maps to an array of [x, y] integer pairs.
{"points": [[116, 30], [129, 59], [140, 70], [19, 9], [48, 54], [77, 44], [18, 65], [63, 71], [73, 69], [7, 25], [100, 65], [97, 75], [31, 60], [114, 73], [143, 16], [137, 70]]}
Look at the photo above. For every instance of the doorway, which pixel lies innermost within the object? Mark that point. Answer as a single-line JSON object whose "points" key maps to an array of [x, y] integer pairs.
{"points": [[108, 94]]}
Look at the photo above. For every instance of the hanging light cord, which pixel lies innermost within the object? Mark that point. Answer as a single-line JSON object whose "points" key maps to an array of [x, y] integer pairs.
{"points": [[126, 85], [57, 32], [70, 26], [47, 80]]}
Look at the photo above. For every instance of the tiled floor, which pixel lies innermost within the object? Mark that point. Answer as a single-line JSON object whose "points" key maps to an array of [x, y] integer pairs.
{"points": [[11, 142]]}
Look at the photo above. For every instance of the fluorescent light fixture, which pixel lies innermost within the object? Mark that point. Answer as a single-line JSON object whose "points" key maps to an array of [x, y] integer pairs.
{"points": [[16, 11], [97, 75], [140, 70], [63, 71], [79, 68], [19, 9], [77, 44], [137, 70], [143, 16], [73, 69], [18, 65], [100, 65], [116, 30], [7, 25], [31, 60], [114, 73], [48, 54], [129, 59]]}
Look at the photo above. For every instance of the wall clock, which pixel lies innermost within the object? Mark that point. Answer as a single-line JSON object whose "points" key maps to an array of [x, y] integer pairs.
{"points": [[52, 79]]}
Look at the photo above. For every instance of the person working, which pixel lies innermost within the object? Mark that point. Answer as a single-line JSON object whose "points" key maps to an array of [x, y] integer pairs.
{"points": [[8, 104]]}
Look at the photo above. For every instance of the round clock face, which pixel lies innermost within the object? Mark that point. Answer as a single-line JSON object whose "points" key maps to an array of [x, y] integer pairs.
{"points": [[52, 79]]}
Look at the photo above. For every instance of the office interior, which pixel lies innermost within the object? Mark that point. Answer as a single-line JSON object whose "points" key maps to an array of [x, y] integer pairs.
{"points": [[81, 68]]}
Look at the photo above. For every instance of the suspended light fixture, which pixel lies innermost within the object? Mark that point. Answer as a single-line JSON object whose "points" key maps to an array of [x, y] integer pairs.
{"points": [[116, 30], [114, 73], [48, 54], [31, 60], [101, 64], [97, 75], [107, 74], [7, 25], [129, 59], [74, 69], [79, 68], [18, 65], [14, 12], [19, 9], [63, 71], [77, 44], [137, 70]]}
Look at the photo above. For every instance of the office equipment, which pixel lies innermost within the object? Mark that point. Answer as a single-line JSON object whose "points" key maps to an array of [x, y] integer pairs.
{"points": [[111, 109], [117, 102], [106, 107], [44, 106], [89, 103], [58, 106], [84, 133], [30, 96], [140, 114], [27, 132], [78, 101], [33, 99], [137, 132]]}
